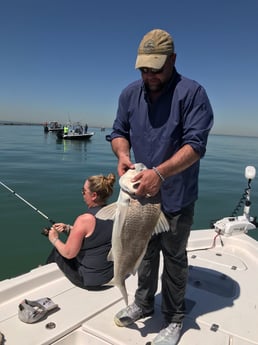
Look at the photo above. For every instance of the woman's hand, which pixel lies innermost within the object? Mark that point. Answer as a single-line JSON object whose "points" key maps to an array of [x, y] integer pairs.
{"points": [[60, 227], [53, 235]]}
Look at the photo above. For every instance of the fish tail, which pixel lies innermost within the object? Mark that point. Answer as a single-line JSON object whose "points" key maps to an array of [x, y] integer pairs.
{"points": [[121, 286], [123, 291]]}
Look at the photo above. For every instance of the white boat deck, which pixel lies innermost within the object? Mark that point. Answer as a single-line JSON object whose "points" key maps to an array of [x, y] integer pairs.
{"points": [[221, 299]]}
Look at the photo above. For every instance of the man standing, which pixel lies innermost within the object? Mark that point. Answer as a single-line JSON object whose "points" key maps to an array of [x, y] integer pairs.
{"points": [[165, 119]]}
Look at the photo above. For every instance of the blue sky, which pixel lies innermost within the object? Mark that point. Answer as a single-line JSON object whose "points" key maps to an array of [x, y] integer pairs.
{"points": [[70, 59]]}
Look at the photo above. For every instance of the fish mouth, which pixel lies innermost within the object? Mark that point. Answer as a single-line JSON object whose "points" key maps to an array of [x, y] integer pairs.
{"points": [[131, 189]]}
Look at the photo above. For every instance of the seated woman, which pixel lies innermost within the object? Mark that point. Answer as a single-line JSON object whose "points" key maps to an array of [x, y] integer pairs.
{"points": [[83, 257]]}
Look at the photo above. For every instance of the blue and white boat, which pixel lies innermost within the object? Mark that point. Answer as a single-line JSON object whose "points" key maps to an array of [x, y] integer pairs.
{"points": [[53, 126], [74, 131]]}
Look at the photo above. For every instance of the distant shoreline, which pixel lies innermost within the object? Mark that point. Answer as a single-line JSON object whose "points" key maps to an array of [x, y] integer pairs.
{"points": [[13, 123], [5, 123]]}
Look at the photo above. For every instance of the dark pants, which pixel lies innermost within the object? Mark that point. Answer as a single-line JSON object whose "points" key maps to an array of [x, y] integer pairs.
{"points": [[68, 266], [174, 277]]}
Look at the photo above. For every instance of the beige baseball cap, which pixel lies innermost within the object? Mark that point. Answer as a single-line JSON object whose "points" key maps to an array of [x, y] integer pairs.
{"points": [[154, 48]]}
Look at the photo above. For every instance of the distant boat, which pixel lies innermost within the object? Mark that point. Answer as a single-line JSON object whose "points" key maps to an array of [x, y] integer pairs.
{"points": [[74, 131], [52, 126]]}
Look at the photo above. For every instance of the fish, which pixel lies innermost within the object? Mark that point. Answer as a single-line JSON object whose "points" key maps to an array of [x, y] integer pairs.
{"points": [[135, 220]]}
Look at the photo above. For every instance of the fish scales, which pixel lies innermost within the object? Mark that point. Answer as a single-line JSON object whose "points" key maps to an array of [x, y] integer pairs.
{"points": [[139, 225]]}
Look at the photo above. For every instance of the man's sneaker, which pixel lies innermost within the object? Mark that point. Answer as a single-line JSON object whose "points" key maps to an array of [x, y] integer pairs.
{"points": [[129, 315], [169, 335]]}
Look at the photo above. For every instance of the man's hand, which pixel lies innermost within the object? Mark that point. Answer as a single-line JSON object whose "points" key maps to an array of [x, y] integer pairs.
{"points": [[149, 183], [124, 163]]}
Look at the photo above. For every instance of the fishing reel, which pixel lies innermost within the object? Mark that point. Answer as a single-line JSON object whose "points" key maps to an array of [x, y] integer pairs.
{"points": [[45, 231]]}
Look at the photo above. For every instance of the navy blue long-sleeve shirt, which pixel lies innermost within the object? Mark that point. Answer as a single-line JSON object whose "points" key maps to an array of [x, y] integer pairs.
{"points": [[181, 115]]}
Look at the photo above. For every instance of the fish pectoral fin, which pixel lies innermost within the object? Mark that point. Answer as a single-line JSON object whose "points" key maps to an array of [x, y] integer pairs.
{"points": [[162, 224], [107, 212]]}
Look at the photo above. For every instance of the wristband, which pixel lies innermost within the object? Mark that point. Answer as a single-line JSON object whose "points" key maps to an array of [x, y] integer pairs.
{"points": [[54, 241], [159, 174]]}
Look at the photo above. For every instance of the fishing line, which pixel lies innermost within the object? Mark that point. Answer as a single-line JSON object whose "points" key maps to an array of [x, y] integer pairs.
{"points": [[27, 203]]}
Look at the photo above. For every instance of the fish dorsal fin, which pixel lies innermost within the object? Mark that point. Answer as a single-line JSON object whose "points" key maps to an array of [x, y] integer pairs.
{"points": [[162, 224], [107, 212]]}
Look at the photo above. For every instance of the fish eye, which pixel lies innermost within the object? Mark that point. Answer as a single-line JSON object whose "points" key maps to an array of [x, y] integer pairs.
{"points": [[136, 185]]}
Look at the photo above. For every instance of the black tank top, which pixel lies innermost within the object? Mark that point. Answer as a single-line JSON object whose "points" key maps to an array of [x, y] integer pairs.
{"points": [[94, 268]]}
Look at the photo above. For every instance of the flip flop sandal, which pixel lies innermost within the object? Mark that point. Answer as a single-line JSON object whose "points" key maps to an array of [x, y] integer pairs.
{"points": [[33, 311]]}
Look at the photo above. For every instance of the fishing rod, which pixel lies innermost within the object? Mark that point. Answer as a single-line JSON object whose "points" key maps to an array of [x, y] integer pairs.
{"points": [[28, 203]]}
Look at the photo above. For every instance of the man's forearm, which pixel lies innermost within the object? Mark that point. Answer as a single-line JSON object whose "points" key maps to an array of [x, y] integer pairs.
{"points": [[120, 147], [180, 161]]}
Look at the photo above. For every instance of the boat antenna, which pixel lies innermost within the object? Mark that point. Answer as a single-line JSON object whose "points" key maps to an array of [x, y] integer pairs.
{"points": [[28, 203], [250, 173], [69, 118]]}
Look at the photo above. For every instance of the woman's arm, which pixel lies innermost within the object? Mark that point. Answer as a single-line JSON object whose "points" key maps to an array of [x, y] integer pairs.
{"points": [[83, 227]]}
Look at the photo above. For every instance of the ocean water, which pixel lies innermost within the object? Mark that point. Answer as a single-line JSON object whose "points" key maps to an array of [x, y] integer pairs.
{"points": [[49, 174]]}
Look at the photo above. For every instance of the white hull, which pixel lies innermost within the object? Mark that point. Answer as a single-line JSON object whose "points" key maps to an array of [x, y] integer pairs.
{"points": [[222, 302], [76, 136]]}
